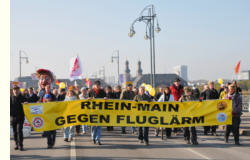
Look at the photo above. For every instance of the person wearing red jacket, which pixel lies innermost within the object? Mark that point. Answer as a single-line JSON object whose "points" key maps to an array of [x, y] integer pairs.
{"points": [[177, 91]]}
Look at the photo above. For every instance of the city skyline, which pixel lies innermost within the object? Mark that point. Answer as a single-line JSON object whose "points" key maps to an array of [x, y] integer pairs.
{"points": [[210, 37]]}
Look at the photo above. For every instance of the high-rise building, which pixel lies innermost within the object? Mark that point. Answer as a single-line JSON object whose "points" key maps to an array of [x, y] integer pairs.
{"points": [[244, 75], [181, 71]]}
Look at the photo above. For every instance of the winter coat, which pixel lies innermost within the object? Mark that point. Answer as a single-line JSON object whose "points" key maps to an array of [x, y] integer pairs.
{"points": [[100, 94], [210, 94], [127, 95], [16, 107], [143, 97], [166, 97], [33, 98], [176, 92], [236, 103]]}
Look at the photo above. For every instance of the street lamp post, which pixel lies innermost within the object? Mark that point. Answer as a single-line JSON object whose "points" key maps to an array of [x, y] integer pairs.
{"points": [[112, 59], [20, 62], [149, 20]]}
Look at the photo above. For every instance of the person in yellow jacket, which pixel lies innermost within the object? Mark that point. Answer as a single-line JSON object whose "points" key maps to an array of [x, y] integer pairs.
{"points": [[224, 93]]}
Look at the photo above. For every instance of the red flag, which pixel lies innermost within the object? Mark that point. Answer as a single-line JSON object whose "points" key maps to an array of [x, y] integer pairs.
{"points": [[57, 82], [237, 68]]}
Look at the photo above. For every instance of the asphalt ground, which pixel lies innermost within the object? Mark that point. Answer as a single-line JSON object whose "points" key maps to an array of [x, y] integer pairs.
{"points": [[126, 146]]}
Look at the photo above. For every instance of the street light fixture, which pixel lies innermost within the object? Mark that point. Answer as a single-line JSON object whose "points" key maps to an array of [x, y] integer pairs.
{"points": [[20, 62], [148, 16], [117, 57]]}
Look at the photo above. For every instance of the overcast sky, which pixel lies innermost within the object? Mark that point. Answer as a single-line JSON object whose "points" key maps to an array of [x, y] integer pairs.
{"points": [[208, 36]]}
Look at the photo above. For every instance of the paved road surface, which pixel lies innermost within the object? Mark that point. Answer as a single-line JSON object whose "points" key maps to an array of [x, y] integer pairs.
{"points": [[118, 146]]}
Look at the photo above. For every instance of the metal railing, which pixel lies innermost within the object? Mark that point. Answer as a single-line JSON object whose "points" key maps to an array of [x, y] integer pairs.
{"points": [[245, 101]]}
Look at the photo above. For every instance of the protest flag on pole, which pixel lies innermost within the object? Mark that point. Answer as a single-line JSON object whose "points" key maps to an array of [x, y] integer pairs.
{"points": [[75, 68], [237, 68]]}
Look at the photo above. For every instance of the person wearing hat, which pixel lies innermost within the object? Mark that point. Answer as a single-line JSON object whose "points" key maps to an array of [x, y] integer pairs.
{"points": [[17, 116], [177, 91], [97, 92], [128, 94], [45, 78], [188, 96]]}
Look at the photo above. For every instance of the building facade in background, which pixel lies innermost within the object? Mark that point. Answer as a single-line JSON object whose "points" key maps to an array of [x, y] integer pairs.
{"points": [[181, 71], [244, 75]]}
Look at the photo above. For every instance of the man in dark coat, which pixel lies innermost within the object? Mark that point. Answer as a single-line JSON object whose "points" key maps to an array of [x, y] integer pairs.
{"points": [[237, 111], [210, 94], [32, 97], [110, 95], [17, 116], [61, 95], [143, 131], [127, 94]]}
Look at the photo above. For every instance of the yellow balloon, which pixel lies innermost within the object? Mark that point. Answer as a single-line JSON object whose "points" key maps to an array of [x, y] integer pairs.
{"points": [[152, 92], [220, 81], [148, 87], [62, 85], [143, 84], [22, 89]]}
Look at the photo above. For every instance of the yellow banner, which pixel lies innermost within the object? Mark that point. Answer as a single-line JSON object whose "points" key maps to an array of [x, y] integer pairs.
{"points": [[100, 112]]}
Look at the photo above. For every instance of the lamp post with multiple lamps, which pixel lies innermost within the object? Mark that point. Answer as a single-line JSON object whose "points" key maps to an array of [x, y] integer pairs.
{"points": [[112, 59], [20, 62], [148, 16]]}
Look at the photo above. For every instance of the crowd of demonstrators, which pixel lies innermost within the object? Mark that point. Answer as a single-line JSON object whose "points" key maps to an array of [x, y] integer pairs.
{"points": [[176, 92]]}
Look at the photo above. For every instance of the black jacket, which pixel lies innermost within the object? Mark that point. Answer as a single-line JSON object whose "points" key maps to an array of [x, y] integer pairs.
{"points": [[110, 95], [33, 98], [16, 107], [117, 95], [101, 94], [61, 97], [211, 94]]}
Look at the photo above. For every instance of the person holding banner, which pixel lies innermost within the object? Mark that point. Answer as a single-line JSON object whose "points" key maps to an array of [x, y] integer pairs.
{"points": [[69, 131], [17, 116], [97, 92], [51, 135], [210, 94], [237, 111], [189, 97], [110, 95], [166, 97], [177, 92], [45, 77], [84, 95], [128, 94], [143, 131]]}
